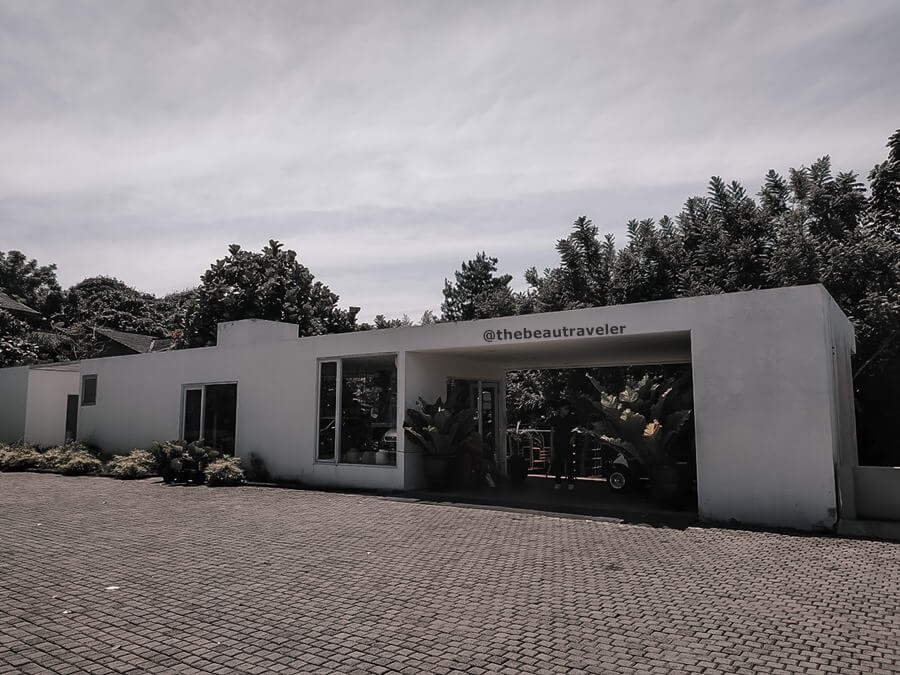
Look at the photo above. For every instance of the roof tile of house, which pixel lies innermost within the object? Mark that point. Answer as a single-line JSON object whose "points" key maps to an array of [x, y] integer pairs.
{"points": [[12, 305]]}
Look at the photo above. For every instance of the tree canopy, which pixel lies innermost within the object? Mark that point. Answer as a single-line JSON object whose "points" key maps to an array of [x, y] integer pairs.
{"points": [[28, 282], [478, 292], [810, 225], [271, 285]]}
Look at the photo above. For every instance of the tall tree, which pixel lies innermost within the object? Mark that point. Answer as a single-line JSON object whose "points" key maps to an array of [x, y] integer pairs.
{"points": [[271, 285], [478, 292], [582, 278]]}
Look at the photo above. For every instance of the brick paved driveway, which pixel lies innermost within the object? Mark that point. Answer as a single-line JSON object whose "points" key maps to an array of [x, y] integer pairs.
{"points": [[249, 580]]}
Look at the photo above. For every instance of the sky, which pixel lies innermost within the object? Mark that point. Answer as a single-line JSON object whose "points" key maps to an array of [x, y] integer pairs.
{"points": [[386, 142]]}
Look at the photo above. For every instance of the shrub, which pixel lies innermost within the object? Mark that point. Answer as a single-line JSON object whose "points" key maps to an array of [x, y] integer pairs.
{"points": [[136, 464], [224, 471], [165, 454], [182, 461], [19, 458], [78, 463]]}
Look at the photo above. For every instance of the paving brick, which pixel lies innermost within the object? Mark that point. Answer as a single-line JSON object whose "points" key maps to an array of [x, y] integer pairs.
{"points": [[249, 580]]}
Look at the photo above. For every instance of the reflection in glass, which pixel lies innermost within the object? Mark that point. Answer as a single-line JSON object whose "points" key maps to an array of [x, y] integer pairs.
{"points": [[368, 411]]}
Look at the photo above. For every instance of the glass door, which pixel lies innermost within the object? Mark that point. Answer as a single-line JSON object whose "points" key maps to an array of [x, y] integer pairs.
{"points": [[481, 396]]}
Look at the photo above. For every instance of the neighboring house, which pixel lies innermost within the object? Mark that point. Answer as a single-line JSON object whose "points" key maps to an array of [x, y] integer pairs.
{"points": [[119, 343], [15, 307]]}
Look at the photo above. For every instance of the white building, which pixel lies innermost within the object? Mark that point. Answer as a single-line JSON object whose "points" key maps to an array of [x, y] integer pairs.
{"points": [[773, 397]]}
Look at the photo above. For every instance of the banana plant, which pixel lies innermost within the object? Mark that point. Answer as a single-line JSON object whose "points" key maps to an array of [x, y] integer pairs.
{"points": [[438, 430], [646, 420]]}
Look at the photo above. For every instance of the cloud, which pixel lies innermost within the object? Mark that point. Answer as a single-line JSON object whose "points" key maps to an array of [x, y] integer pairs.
{"points": [[388, 141]]}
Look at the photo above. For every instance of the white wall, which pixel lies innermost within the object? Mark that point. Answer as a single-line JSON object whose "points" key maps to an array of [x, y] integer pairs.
{"points": [[762, 397], [13, 393], [139, 399], [48, 390]]}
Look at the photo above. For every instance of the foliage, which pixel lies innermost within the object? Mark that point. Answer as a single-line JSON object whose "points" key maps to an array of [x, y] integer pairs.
{"points": [[26, 281], [182, 461], [437, 430], [648, 420], [109, 303], [269, 285], [136, 464], [224, 471], [16, 349], [477, 292], [582, 278], [76, 463], [72, 459], [19, 457], [813, 226], [381, 321]]}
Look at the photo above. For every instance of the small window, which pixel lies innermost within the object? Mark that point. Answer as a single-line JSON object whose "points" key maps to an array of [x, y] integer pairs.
{"points": [[89, 390]]}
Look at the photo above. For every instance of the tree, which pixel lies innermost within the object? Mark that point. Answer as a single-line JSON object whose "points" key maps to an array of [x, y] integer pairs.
{"points": [[15, 347], [380, 321], [109, 303], [32, 284], [269, 285], [582, 278], [478, 293]]}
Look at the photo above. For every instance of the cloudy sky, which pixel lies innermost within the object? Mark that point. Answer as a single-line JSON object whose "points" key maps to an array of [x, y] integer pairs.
{"points": [[388, 141]]}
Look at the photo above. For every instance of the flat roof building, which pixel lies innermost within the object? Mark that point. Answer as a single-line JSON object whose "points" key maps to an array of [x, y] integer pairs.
{"points": [[772, 389]]}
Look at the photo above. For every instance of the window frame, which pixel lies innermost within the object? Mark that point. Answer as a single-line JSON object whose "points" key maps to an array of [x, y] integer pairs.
{"points": [[83, 399], [338, 408], [201, 386]]}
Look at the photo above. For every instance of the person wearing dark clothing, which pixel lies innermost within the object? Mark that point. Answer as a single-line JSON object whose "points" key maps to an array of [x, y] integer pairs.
{"points": [[564, 452]]}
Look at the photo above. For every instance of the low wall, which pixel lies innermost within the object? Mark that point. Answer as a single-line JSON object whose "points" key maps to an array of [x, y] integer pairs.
{"points": [[877, 491]]}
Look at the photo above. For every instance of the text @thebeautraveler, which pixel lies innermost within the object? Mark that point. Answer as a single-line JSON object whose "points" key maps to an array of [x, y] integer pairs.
{"points": [[508, 335]]}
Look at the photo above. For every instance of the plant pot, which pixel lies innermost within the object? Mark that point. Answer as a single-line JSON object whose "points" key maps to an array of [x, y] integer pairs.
{"points": [[352, 456], [667, 485], [383, 457], [438, 471], [368, 457], [518, 470]]}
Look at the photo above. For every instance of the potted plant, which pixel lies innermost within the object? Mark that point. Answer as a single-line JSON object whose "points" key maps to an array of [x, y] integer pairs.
{"points": [[516, 464], [649, 423], [441, 435]]}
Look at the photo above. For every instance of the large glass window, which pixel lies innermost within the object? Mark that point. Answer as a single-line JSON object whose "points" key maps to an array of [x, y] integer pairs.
{"points": [[212, 410], [358, 420]]}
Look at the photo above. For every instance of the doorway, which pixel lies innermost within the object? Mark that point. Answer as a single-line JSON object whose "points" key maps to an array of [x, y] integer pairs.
{"points": [[71, 417], [482, 396]]}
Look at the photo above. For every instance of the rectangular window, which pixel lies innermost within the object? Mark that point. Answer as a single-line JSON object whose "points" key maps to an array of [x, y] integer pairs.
{"points": [[209, 415], [358, 419], [89, 390], [327, 409]]}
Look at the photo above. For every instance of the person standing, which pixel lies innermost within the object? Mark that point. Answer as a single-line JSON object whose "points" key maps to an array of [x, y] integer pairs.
{"points": [[562, 423]]}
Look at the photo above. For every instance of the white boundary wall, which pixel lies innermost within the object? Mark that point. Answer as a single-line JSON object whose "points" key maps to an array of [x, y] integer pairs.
{"points": [[13, 393]]}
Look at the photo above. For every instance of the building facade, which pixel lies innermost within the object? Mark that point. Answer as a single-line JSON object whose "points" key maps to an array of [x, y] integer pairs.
{"points": [[773, 396]]}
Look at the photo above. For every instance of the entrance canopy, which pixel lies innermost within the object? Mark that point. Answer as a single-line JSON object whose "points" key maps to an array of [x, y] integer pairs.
{"points": [[621, 350]]}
